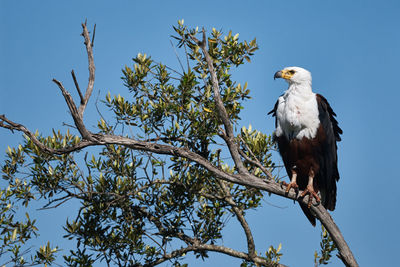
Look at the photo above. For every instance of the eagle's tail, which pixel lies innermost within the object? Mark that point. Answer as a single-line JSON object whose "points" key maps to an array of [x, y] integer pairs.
{"points": [[308, 213]]}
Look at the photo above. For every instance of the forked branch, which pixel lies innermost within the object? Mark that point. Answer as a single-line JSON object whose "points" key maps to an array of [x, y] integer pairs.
{"points": [[77, 113], [89, 49]]}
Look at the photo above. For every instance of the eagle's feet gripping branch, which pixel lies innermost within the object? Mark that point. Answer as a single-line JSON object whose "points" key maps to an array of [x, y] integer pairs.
{"points": [[310, 190], [290, 185]]}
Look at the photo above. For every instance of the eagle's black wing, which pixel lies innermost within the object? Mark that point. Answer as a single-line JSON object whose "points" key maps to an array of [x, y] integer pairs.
{"points": [[273, 112], [328, 174]]}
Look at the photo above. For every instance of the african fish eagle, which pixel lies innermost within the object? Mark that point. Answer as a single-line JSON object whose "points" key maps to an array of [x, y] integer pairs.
{"points": [[306, 134]]}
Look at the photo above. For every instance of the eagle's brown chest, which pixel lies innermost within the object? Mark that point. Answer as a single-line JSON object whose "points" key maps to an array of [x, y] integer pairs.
{"points": [[302, 154]]}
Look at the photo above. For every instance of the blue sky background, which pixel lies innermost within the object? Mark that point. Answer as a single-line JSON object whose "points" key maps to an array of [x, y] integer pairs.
{"points": [[351, 48]]}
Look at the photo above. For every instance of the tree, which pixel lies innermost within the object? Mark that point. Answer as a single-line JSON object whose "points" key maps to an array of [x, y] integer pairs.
{"points": [[160, 185]]}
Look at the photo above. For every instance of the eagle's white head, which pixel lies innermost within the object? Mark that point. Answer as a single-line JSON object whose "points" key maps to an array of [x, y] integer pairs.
{"points": [[295, 75]]}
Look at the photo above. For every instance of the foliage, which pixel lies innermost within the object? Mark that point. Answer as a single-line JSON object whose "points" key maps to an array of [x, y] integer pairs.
{"points": [[138, 207], [15, 232], [327, 248], [273, 256], [257, 145]]}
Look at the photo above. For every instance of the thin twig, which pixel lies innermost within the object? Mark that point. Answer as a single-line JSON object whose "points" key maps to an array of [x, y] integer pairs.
{"points": [[69, 125], [78, 120], [98, 110], [177, 56], [187, 56], [77, 87], [47, 206], [94, 32]]}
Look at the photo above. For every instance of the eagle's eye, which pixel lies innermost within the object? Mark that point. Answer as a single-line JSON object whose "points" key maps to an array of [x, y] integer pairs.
{"points": [[291, 72]]}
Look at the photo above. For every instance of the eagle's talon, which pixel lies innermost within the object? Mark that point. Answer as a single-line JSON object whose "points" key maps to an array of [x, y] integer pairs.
{"points": [[310, 190], [291, 185]]}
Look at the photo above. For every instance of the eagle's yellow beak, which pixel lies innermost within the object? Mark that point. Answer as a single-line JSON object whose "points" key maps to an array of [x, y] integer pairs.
{"points": [[285, 74]]}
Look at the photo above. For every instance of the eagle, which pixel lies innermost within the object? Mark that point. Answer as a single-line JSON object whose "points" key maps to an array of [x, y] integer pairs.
{"points": [[306, 134]]}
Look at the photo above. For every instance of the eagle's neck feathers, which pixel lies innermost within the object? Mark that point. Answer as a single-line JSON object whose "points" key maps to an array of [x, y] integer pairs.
{"points": [[297, 112], [303, 89]]}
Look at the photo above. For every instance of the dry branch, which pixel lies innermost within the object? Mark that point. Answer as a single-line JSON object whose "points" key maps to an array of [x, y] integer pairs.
{"points": [[77, 87], [89, 49]]}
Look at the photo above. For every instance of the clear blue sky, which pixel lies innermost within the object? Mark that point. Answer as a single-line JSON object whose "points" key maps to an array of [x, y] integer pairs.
{"points": [[351, 48]]}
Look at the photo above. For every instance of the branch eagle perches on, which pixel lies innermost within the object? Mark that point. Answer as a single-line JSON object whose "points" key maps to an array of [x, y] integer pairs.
{"points": [[240, 175]]}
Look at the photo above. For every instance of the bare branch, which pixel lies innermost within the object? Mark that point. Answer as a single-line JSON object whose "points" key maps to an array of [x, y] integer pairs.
{"points": [[78, 120], [89, 50], [177, 56], [77, 114], [77, 87], [8, 124], [93, 35], [60, 201]]}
